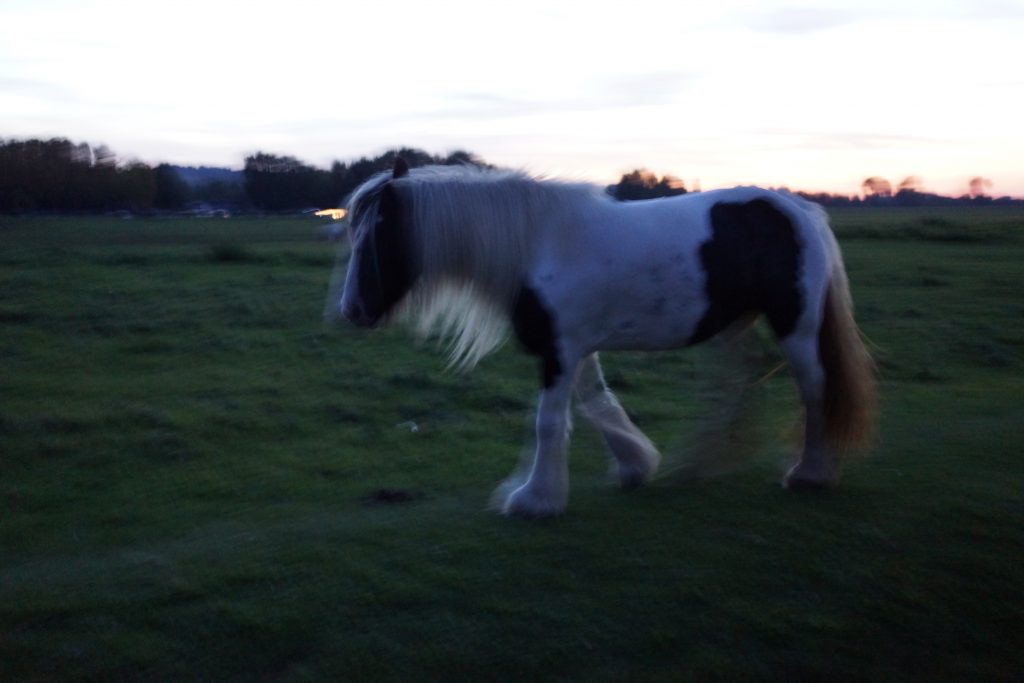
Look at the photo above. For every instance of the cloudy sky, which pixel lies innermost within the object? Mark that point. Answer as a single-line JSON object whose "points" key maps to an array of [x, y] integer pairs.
{"points": [[812, 95]]}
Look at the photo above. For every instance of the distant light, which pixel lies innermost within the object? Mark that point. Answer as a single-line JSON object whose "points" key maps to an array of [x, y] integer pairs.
{"points": [[333, 214]]}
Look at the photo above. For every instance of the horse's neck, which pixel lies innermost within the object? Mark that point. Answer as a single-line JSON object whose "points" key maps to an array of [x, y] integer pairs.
{"points": [[486, 238]]}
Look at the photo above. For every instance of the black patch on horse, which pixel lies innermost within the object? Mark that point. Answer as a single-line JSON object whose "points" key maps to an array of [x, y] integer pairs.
{"points": [[386, 272], [752, 263], [535, 330]]}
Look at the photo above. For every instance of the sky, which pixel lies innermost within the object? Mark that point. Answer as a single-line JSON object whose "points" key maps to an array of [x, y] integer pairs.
{"points": [[814, 96]]}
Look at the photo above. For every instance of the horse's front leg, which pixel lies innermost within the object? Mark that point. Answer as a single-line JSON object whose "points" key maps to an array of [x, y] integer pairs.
{"points": [[545, 492]]}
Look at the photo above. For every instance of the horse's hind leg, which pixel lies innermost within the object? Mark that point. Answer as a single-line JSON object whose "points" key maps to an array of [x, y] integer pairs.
{"points": [[635, 456], [818, 466]]}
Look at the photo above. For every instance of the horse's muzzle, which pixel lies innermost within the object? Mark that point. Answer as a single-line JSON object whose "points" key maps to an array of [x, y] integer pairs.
{"points": [[357, 315]]}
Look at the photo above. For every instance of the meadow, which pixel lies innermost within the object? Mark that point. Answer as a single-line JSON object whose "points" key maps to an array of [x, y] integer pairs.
{"points": [[200, 480]]}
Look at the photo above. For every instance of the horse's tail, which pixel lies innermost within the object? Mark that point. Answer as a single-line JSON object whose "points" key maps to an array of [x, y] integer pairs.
{"points": [[850, 393]]}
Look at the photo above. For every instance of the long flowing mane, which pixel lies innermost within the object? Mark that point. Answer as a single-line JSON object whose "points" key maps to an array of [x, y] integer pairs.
{"points": [[473, 234]]}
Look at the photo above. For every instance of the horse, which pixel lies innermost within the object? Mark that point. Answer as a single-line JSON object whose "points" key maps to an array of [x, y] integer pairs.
{"points": [[466, 253]]}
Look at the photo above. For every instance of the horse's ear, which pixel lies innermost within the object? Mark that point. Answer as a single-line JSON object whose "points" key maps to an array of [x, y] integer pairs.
{"points": [[401, 168]]}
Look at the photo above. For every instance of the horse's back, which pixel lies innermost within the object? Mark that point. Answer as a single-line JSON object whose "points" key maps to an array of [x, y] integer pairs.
{"points": [[668, 272]]}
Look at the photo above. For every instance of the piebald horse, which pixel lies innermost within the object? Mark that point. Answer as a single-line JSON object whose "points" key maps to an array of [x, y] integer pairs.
{"points": [[465, 252]]}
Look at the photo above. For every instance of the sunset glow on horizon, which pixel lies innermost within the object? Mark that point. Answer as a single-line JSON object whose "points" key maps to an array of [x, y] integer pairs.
{"points": [[813, 97]]}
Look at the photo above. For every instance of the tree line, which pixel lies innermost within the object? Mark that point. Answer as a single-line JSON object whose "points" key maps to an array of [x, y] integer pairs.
{"points": [[58, 175], [279, 183]]}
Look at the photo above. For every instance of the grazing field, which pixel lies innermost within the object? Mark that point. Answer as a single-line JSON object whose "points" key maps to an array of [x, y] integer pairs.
{"points": [[200, 481]]}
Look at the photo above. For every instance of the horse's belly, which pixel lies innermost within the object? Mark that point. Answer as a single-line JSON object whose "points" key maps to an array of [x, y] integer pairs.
{"points": [[646, 329], [644, 294], [647, 318]]}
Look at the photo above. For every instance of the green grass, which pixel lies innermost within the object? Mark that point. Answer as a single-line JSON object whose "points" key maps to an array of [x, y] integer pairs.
{"points": [[189, 461]]}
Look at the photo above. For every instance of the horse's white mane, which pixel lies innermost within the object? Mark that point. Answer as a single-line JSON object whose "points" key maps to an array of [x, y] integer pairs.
{"points": [[474, 235]]}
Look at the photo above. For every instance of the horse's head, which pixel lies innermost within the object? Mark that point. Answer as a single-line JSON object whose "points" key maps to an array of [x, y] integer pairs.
{"points": [[381, 270]]}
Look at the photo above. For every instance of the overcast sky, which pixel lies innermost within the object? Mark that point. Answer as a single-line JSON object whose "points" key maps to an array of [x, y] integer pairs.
{"points": [[814, 96]]}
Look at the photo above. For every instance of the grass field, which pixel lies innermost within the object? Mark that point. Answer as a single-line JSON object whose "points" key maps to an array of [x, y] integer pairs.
{"points": [[194, 478]]}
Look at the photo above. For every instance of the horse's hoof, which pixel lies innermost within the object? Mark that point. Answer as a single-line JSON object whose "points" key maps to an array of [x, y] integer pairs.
{"points": [[525, 502], [796, 480], [639, 471], [633, 477]]}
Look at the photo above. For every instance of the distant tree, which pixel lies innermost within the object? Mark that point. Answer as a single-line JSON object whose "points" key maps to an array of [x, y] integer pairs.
{"points": [[134, 188], [978, 187], [279, 183], [82, 154], [414, 157], [344, 178], [221, 193], [910, 192], [463, 158], [643, 184], [104, 156], [911, 183], [171, 191], [876, 187]]}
